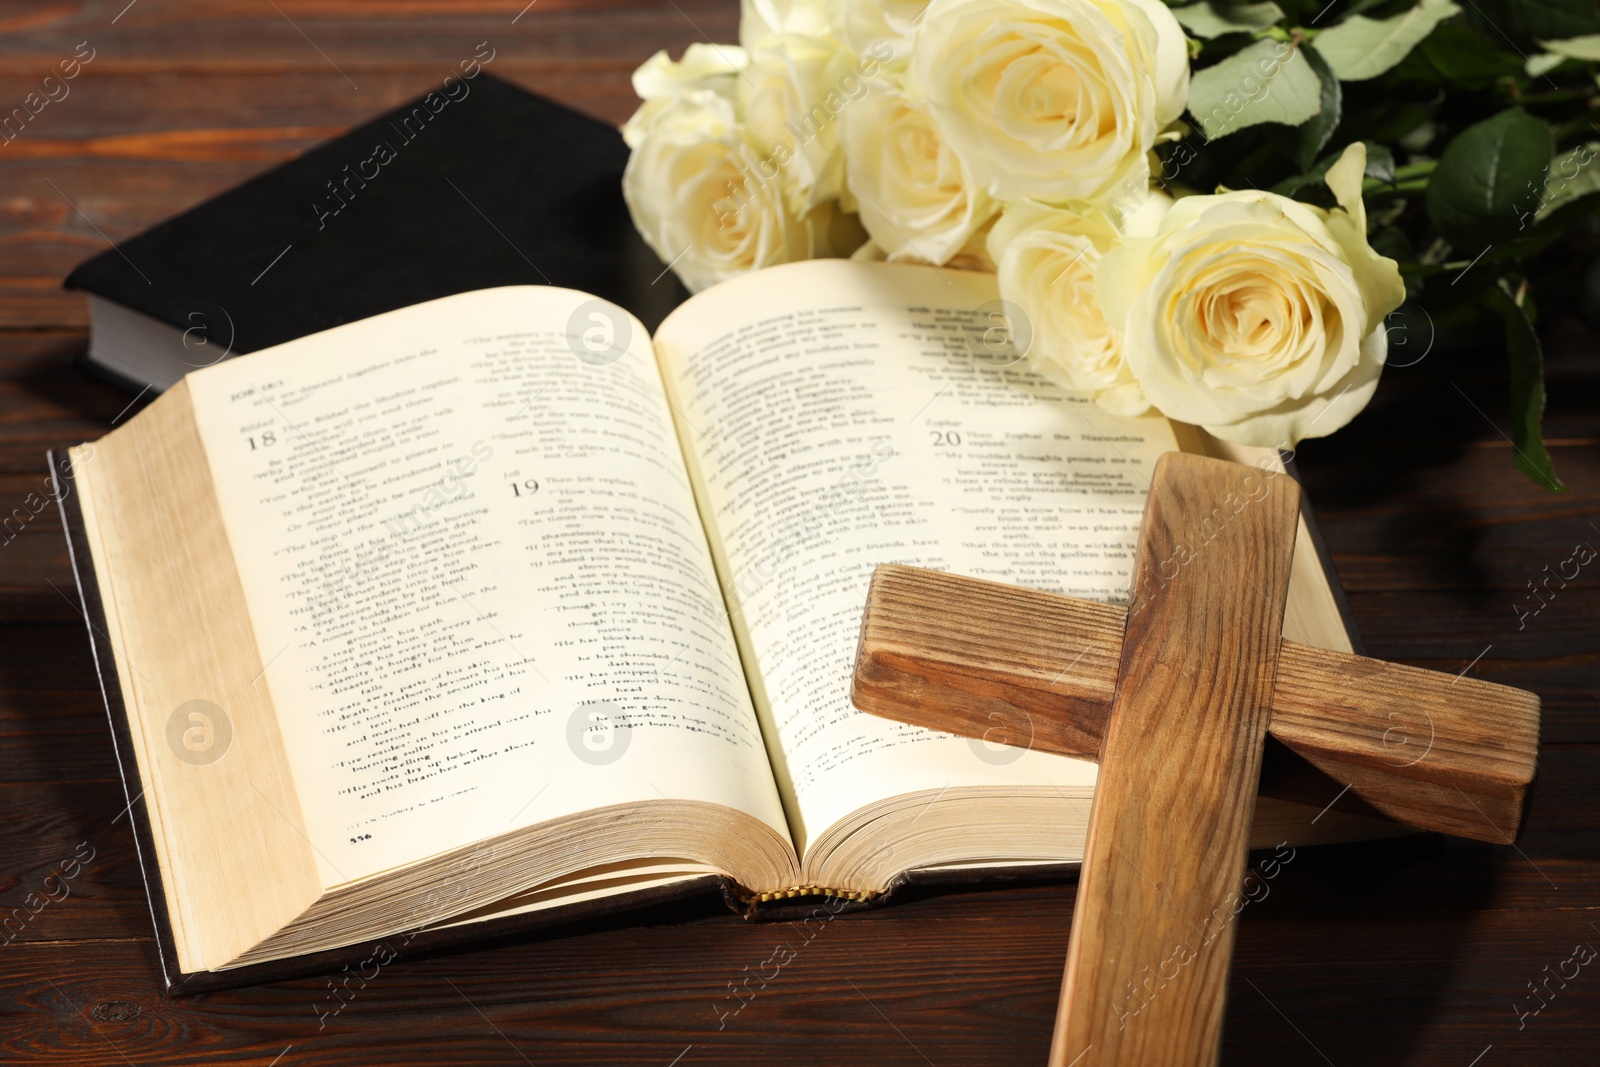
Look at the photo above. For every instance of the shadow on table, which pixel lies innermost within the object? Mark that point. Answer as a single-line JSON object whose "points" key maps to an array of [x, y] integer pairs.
{"points": [[1352, 957]]}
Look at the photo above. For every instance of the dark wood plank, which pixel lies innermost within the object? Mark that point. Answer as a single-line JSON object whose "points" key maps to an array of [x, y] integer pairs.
{"points": [[1553, 865], [1439, 988], [140, 137], [1475, 526], [1411, 987], [52, 722], [70, 873], [46, 402]]}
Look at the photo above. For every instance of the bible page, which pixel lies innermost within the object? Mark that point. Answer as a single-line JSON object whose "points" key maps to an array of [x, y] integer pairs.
{"points": [[471, 553], [839, 415]]}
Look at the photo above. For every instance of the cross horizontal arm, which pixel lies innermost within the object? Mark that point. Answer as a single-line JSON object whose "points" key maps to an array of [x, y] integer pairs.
{"points": [[1022, 667]]}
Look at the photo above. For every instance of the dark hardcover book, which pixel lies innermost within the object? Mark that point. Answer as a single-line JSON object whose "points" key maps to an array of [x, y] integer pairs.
{"points": [[475, 184]]}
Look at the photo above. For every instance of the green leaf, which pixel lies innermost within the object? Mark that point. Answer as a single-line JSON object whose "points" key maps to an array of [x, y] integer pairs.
{"points": [[1587, 48], [1316, 131], [1269, 81], [1479, 191], [1314, 176], [1465, 58], [1520, 22], [1392, 241], [1391, 121], [1541, 63], [1213, 19], [1380, 166], [1360, 48], [1380, 163], [1527, 390], [1570, 175]]}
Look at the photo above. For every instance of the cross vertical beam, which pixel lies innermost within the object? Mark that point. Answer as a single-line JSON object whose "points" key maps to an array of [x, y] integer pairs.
{"points": [[1152, 932]]}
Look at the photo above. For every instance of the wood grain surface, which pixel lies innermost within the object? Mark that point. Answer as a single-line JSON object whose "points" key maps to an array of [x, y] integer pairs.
{"points": [[1164, 861], [1413, 952], [1022, 667]]}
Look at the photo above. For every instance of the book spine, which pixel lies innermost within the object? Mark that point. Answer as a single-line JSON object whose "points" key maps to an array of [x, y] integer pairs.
{"points": [[806, 891]]}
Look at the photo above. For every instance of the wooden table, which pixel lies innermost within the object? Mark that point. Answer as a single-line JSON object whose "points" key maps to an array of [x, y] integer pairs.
{"points": [[1410, 952]]}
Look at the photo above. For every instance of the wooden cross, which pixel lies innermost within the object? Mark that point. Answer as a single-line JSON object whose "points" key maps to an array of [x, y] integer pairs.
{"points": [[1175, 697]]}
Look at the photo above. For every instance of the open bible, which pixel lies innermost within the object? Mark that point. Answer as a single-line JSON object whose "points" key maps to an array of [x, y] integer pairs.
{"points": [[496, 608]]}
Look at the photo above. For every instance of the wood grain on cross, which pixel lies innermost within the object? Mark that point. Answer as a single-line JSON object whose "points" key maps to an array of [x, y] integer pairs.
{"points": [[1175, 697]]}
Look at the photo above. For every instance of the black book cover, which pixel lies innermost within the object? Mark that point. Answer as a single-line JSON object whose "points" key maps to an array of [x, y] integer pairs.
{"points": [[475, 184]]}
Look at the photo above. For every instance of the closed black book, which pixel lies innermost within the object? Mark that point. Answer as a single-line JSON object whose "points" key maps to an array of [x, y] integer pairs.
{"points": [[475, 184]]}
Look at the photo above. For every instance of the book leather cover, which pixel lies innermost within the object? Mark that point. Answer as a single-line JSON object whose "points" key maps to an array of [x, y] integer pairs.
{"points": [[476, 184]]}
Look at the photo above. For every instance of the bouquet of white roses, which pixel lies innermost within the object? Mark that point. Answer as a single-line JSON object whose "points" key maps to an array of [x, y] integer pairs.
{"points": [[1207, 210]]}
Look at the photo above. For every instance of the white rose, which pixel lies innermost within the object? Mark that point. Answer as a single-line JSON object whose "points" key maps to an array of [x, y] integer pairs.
{"points": [[704, 67], [863, 23], [1053, 100], [1253, 315], [792, 96], [916, 196], [1047, 258], [973, 256], [695, 187], [761, 19]]}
